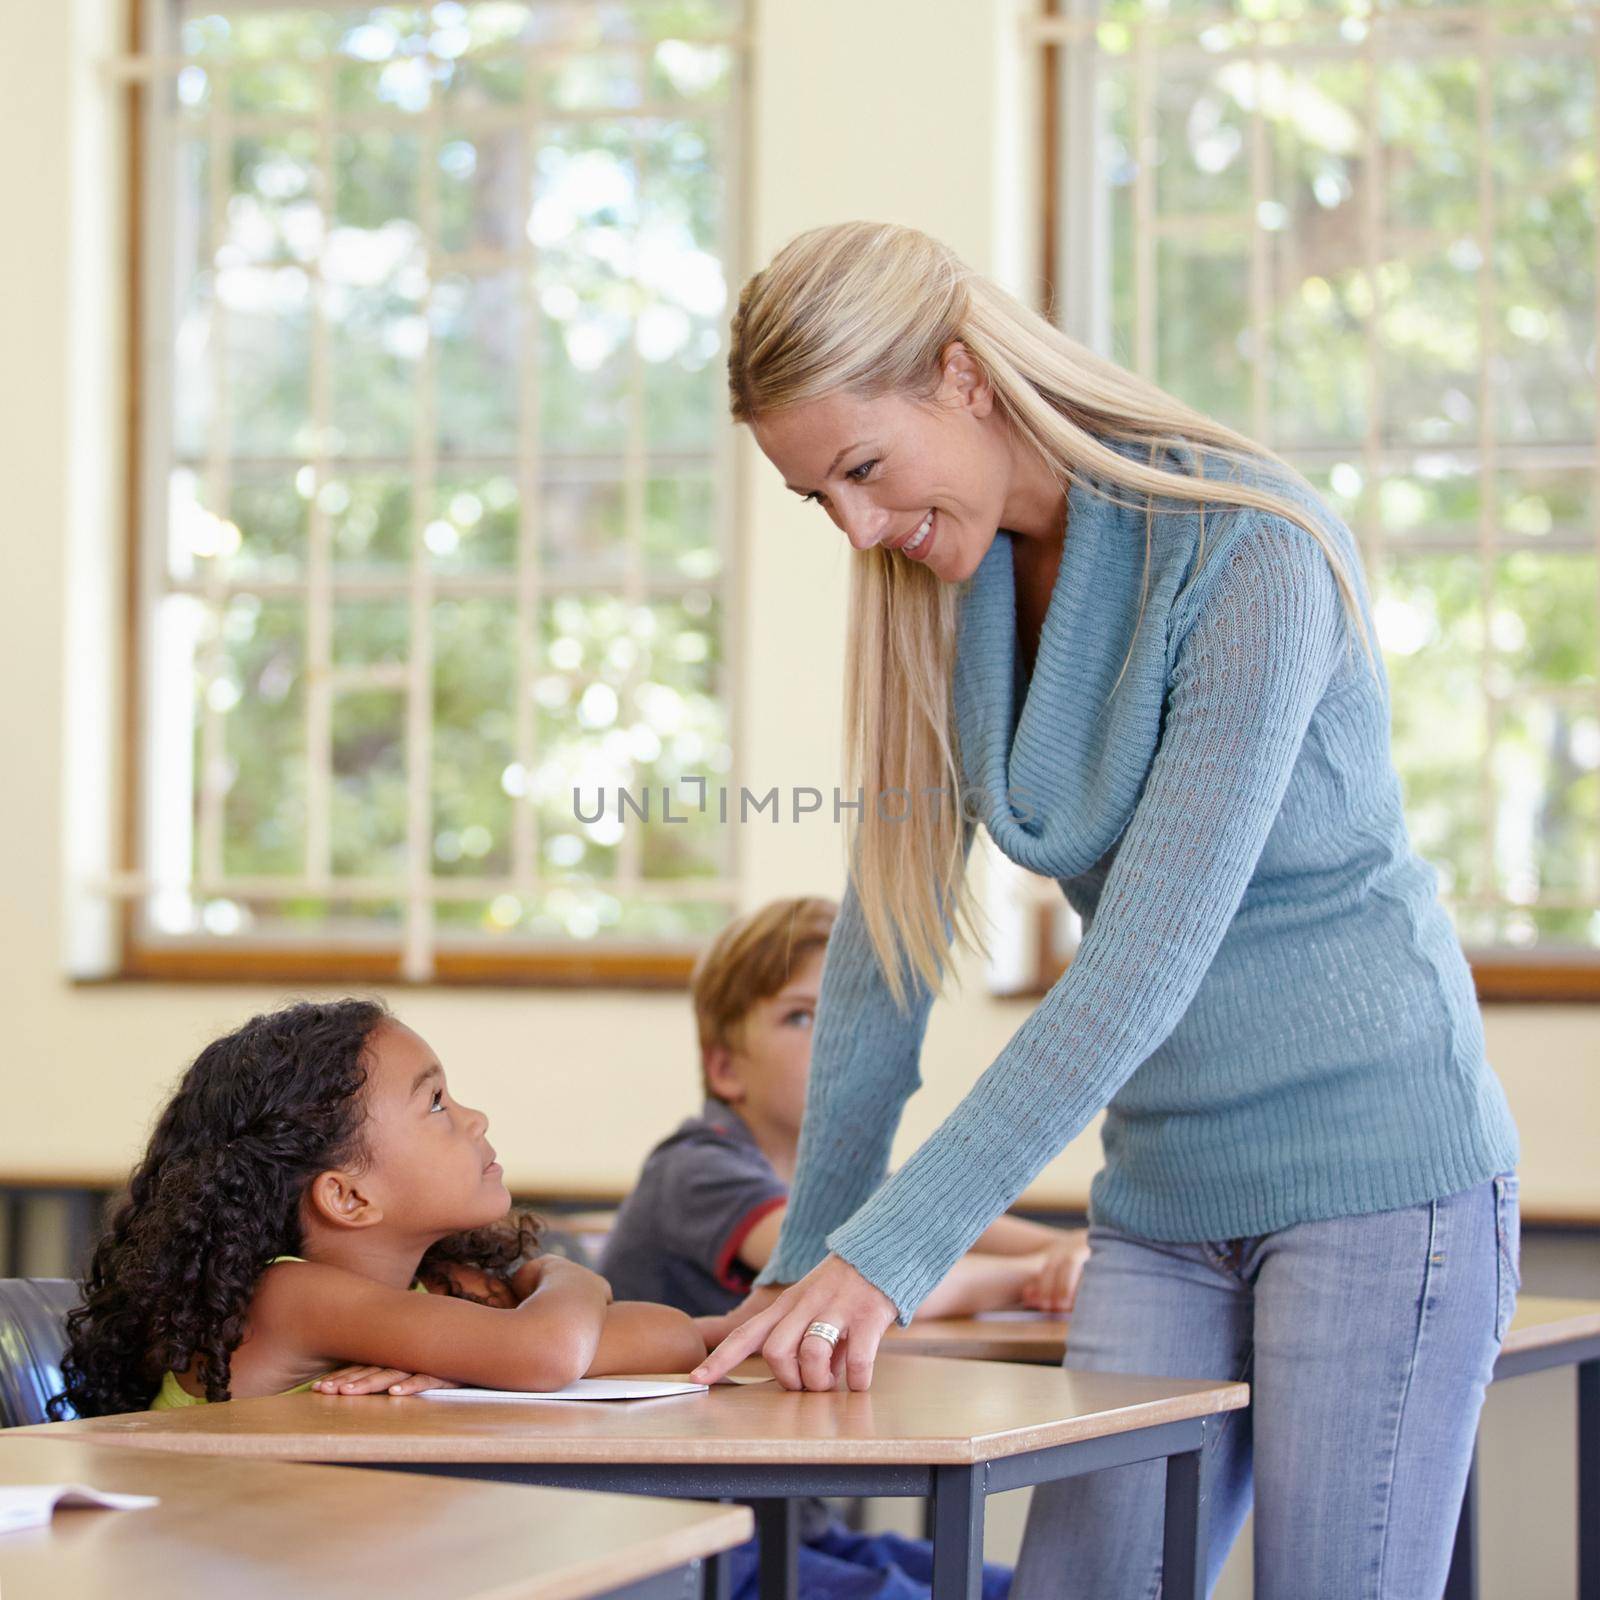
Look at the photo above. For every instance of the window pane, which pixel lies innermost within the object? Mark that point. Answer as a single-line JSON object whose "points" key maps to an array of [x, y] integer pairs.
{"points": [[1549, 503], [451, 274], [266, 316], [1547, 831], [1430, 623], [1202, 129], [1202, 327], [371, 633], [474, 738], [1393, 302], [1431, 499], [585, 211], [260, 689], [683, 291], [1544, 248], [680, 535], [583, 527], [477, 331], [1320, 291], [369, 783], [474, 526], [376, 281], [369, 516], [479, 190]]}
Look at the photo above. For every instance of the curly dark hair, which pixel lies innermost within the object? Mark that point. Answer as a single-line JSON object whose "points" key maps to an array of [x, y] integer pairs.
{"points": [[217, 1196]]}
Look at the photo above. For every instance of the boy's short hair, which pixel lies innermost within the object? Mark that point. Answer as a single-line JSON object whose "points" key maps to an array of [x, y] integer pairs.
{"points": [[751, 959]]}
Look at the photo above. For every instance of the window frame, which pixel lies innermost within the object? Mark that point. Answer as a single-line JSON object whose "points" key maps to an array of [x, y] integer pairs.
{"points": [[209, 959], [1502, 975]]}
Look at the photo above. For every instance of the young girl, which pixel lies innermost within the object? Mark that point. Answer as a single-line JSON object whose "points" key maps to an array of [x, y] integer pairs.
{"points": [[310, 1174]]}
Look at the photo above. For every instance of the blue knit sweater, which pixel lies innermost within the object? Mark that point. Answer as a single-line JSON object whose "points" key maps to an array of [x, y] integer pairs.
{"points": [[1268, 998]]}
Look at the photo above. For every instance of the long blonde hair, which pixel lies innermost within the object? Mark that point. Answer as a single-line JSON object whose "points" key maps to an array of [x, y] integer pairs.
{"points": [[868, 309]]}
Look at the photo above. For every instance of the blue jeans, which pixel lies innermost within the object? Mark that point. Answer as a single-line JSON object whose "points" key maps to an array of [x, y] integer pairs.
{"points": [[1367, 1342], [840, 1565]]}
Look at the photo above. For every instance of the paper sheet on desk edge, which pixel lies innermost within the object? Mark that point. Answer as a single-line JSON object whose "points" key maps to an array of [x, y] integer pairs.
{"points": [[31, 1505], [588, 1389]]}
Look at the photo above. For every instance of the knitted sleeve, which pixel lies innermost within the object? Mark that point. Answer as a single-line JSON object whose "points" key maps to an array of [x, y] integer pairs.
{"points": [[1265, 633], [864, 1067]]}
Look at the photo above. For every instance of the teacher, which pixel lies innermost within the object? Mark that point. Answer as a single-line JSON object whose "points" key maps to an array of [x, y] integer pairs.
{"points": [[1137, 647]]}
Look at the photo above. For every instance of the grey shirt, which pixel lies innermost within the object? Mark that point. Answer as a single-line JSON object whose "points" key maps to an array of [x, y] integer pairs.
{"points": [[676, 1239]]}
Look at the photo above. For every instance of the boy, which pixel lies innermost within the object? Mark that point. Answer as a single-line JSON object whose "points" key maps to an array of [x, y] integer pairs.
{"points": [[704, 1217]]}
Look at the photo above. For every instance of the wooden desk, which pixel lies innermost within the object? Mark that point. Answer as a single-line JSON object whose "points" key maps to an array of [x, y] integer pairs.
{"points": [[1547, 1333], [248, 1529], [956, 1431], [1039, 1340], [1544, 1333]]}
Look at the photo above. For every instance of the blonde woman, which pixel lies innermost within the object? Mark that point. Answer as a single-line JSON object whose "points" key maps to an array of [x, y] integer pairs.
{"points": [[1136, 647]]}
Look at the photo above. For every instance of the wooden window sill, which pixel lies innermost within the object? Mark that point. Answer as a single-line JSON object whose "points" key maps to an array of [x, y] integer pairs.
{"points": [[614, 968]]}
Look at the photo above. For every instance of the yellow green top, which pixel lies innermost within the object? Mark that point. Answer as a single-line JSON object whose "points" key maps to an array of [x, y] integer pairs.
{"points": [[172, 1396]]}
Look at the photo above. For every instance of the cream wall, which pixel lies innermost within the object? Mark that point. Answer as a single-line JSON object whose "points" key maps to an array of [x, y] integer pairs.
{"points": [[902, 109]]}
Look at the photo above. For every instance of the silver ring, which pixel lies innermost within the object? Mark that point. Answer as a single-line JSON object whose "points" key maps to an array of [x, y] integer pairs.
{"points": [[825, 1330]]}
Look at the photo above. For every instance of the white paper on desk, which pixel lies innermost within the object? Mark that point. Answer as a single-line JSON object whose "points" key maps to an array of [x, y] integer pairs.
{"points": [[583, 1389], [30, 1505], [1018, 1316]]}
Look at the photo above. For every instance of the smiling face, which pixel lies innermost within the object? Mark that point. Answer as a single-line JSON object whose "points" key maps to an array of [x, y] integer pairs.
{"points": [[931, 480], [430, 1166]]}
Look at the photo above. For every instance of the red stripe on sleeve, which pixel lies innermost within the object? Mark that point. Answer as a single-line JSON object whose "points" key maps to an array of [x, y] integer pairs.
{"points": [[729, 1253]]}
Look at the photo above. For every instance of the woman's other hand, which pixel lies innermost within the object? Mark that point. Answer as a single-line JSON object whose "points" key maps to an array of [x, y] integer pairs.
{"points": [[832, 1292], [1054, 1284]]}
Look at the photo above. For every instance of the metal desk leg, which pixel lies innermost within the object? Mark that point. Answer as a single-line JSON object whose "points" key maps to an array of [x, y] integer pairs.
{"points": [[1462, 1583], [677, 1583], [1183, 1548], [958, 1496], [715, 1583], [1589, 1480], [16, 1213], [778, 1530]]}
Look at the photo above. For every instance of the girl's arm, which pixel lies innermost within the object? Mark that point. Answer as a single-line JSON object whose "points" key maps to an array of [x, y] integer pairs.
{"points": [[318, 1314], [636, 1337], [640, 1337]]}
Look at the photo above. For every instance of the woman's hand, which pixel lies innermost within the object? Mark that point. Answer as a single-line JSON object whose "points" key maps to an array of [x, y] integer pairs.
{"points": [[378, 1380], [1054, 1285], [833, 1291], [715, 1329]]}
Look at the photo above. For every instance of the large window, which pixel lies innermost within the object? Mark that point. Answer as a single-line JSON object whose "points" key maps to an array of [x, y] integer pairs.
{"points": [[434, 535], [1365, 235]]}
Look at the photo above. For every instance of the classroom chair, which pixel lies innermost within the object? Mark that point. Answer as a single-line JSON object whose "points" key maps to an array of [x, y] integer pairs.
{"points": [[33, 1336]]}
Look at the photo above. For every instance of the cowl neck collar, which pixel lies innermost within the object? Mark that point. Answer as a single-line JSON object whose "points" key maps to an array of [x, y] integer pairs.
{"points": [[1058, 761]]}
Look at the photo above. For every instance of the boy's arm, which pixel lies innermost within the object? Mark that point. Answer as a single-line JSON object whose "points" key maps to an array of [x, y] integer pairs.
{"points": [[1042, 1280], [755, 1249], [1015, 1236], [980, 1283]]}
